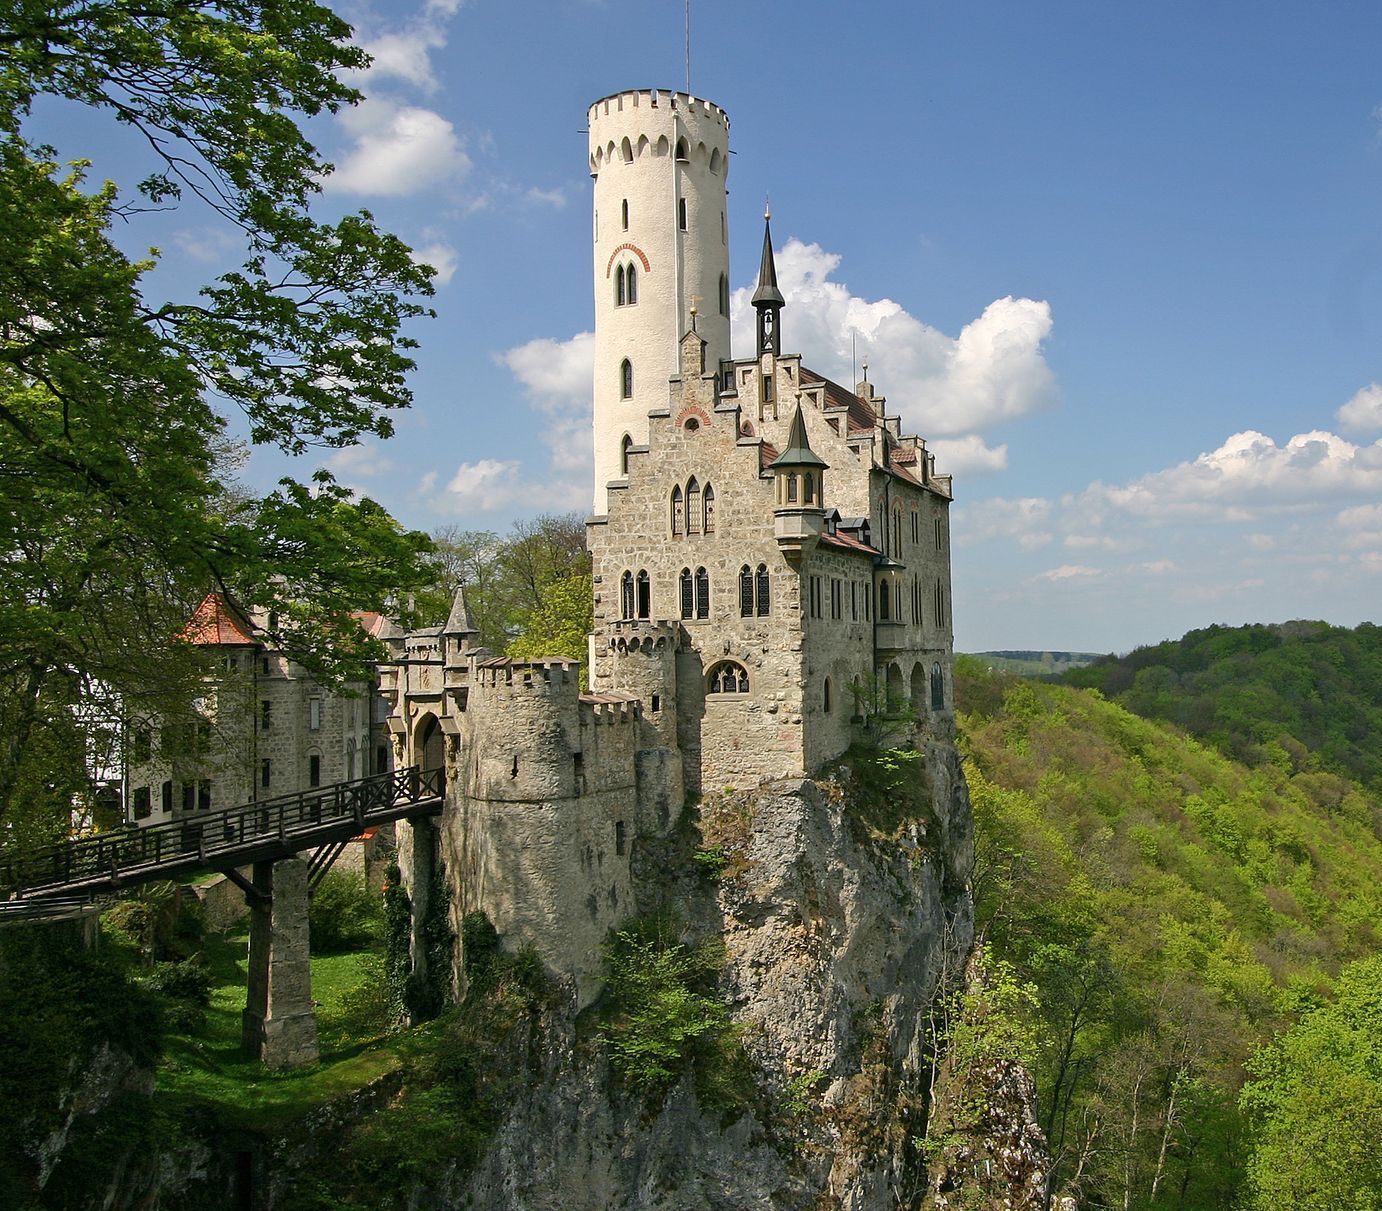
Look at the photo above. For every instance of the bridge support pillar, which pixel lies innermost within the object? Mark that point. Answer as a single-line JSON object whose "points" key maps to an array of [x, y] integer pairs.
{"points": [[279, 1025]]}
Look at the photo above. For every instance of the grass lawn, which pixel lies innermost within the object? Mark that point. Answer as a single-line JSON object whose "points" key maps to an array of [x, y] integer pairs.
{"points": [[206, 1066]]}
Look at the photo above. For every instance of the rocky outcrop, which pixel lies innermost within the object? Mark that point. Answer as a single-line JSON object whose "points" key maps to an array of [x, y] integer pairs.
{"points": [[836, 940]]}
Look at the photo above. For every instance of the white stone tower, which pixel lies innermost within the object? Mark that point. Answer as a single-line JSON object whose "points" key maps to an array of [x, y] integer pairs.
{"points": [[659, 160]]}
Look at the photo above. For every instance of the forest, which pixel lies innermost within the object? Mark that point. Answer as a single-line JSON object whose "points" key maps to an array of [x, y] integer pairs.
{"points": [[1197, 915]]}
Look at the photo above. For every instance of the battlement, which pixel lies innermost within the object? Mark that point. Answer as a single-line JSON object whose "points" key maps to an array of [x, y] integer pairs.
{"points": [[653, 99], [550, 674], [640, 636], [611, 708], [629, 126]]}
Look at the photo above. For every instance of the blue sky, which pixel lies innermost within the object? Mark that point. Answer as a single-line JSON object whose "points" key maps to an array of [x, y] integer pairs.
{"points": [[1122, 267]]}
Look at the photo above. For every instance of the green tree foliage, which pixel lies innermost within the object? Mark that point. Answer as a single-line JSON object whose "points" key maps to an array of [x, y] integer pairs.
{"points": [[116, 506], [1315, 1102], [1173, 907], [1305, 695]]}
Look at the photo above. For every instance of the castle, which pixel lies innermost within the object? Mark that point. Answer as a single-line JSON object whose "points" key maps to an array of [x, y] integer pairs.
{"points": [[771, 559]]}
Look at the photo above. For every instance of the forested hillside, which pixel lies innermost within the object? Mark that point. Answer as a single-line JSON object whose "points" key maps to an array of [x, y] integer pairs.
{"points": [[1309, 689], [1185, 919]]}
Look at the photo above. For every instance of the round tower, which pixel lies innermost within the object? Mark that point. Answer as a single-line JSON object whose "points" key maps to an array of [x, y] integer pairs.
{"points": [[659, 161]]}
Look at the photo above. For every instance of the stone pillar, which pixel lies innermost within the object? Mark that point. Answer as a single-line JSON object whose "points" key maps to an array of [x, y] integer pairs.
{"points": [[422, 852], [279, 1026]]}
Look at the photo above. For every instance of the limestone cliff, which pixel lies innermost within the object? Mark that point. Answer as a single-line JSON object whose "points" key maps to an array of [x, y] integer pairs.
{"points": [[836, 940]]}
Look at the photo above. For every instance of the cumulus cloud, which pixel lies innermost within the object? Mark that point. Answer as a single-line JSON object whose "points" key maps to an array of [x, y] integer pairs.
{"points": [[1027, 521], [359, 462], [1363, 413], [441, 256], [1251, 476], [406, 53], [555, 373], [1069, 571], [968, 455], [1362, 525], [483, 487], [554, 198], [397, 150], [994, 371]]}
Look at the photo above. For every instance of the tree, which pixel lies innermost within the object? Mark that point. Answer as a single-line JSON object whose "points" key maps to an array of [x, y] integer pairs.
{"points": [[117, 509]]}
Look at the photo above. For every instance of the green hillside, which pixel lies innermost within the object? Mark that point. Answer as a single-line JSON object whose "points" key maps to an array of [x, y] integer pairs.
{"points": [[1308, 688], [1177, 911]]}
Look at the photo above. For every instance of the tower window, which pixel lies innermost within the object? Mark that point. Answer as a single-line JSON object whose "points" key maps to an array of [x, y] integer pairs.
{"points": [[681, 151], [626, 148], [644, 594], [681, 213], [883, 611], [266, 715], [745, 592], [266, 773], [619, 295], [624, 209], [937, 688], [724, 289], [626, 379], [761, 589], [708, 509], [825, 696], [753, 591], [626, 603], [702, 594], [314, 770], [631, 279], [687, 593], [624, 447], [693, 506], [810, 486], [678, 513], [727, 677]]}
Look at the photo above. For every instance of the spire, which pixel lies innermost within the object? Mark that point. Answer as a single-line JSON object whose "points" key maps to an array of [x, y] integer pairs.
{"points": [[460, 621], [767, 299], [798, 452]]}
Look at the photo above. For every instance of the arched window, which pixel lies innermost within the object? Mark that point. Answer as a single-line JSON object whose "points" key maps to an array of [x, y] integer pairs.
{"points": [[681, 213], [687, 593], [825, 696], [940, 605], [809, 494], [678, 512], [897, 531], [693, 506], [937, 687], [626, 148], [626, 379], [702, 594], [724, 292], [624, 208], [631, 277], [708, 510], [626, 596], [883, 612], [619, 295], [761, 579], [624, 447], [644, 594], [746, 592], [681, 150], [792, 488], [727, 677]]}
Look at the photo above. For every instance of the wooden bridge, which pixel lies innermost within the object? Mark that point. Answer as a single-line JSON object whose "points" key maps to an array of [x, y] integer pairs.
{"points": [[268, 836]]}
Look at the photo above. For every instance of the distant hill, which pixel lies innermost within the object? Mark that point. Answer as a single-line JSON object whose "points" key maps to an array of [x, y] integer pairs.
{"points": [[1037, 664], [1175, 910], [1306, 695]]}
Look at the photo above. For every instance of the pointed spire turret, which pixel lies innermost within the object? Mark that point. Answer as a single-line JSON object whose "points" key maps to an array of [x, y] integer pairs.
{"points": [[460, 621], [799, 476], [767, 298], [798, 452]]}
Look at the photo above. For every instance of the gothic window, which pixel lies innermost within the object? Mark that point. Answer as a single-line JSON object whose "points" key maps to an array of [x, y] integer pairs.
{"points": [[702, 594], [678, 512], [631, 279], [626, 148], [937, 688], [681, 213], [644, 594], [883, 611], [693, 506], [681, 151], [792, 489], [687, 600], [897, 531], [940, 605], [619, 295], [938, 534], [809, 492], [708, 510], [727, 677], [626, 596], [624, 447], [626, 379], [724, 289], [916, 528], [746, 592], [761, 586], [624, 209]]}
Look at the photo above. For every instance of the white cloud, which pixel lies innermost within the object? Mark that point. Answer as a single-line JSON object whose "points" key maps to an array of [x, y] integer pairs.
{"points": [[1155, 567], [1362, 526], [398, 150], [442, 258], [406, 53], [1363, 413], [554, 198], [482, 487], [555, 373], [359, 462], [968, 455], [206, 244], [1250, 476], [994, 371], [1069, 571], [1027, 521]]}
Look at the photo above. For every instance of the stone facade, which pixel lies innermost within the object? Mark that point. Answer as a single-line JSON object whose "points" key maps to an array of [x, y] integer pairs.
{"points": [[772, 550]]}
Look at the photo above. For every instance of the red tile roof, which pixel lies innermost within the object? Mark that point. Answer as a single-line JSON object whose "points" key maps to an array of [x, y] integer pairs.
{"points": [[861, 416], [215, 622], [371, 621], [767, 455], [846, 543]]}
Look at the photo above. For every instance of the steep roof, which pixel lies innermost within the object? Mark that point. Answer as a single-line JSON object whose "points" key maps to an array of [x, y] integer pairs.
{"points": [[798, 452], [215, 622], [861, 416]]}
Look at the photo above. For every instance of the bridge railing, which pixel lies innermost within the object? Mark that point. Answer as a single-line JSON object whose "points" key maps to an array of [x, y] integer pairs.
{"points": [[204, 836]]}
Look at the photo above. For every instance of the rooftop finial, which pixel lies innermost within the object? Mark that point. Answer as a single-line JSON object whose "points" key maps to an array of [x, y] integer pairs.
{"points": [[767, 298], [767, 209]]}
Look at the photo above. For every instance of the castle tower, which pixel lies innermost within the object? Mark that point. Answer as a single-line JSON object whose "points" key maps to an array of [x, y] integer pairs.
{"points": [[659, 161]]}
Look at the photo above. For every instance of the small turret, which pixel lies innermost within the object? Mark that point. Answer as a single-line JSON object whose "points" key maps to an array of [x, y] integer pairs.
{"points": [[767, 298], [799, 479]]}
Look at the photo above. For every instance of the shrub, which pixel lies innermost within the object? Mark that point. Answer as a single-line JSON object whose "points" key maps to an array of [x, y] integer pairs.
{"points": [[186, 990], [344, 914]]}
